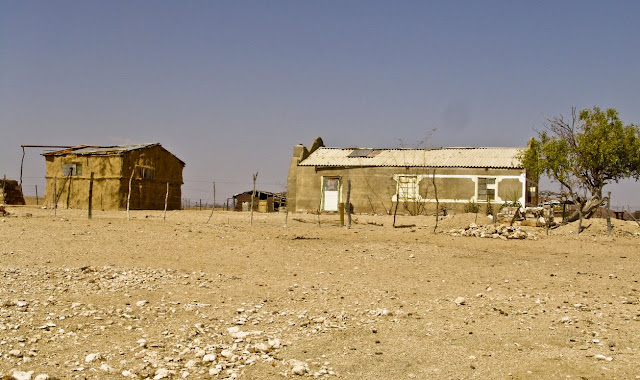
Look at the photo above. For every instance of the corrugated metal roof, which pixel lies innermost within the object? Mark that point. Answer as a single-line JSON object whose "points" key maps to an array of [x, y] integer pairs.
{"points": [[436, 158], [95, 150], [98, 150]]}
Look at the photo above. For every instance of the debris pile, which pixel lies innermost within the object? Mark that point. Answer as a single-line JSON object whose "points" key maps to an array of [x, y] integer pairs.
{"points": [[501, 231]]}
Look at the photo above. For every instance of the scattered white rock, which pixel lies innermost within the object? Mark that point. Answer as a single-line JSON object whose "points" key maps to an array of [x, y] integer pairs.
{"points": [[22, 375], [92, 358], [209, 358]]}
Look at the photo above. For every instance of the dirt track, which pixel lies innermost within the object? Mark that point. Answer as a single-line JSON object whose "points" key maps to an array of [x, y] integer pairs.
{"points": [[109, 298]]}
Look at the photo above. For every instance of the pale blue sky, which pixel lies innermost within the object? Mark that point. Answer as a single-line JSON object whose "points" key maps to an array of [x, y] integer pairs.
{"points": [[230, 86]]}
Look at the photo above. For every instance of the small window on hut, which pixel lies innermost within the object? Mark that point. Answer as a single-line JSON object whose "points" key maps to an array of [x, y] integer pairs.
{"points": [[147, 173], [71, 169], [486, 189]]}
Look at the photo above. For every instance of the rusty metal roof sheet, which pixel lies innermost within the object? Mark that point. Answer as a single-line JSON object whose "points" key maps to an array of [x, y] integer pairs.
{"points": [[95, 150], [498, 158], [98, 150]]}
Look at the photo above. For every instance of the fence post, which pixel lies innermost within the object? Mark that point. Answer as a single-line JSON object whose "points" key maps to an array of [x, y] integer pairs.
{"points": [[348, 205], [214, 202], [37, 195], [55, 196], [253, 194], [129, 195], [69, 187], [609, 227], [90, 194], [166, 200]]}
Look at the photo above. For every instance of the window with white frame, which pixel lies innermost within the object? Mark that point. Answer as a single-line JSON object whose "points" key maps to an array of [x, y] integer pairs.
{"points": [[486, 189], [407, 188]]}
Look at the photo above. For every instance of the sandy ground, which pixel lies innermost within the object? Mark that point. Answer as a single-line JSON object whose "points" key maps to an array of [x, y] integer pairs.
{"points": [[147, 298]]}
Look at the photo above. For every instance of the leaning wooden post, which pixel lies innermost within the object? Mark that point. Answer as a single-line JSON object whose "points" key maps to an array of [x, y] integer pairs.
{"points": [[21, 166], [609, 227], [631, 215], [214, 202], [253, 195], [129, 195], [90, 195], [69, 187], [348, 204], [166, 201]]}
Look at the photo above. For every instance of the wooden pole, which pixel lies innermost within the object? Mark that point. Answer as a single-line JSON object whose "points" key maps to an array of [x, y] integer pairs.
{"points": [[69, 187], [166, 201], [129, 194], [631, 215], [214, 202], [37, 195], [435, 191], [348, 204], [609, 227], [341, 210], [55, 196], [21, 166], [395, 210], [255, 176], [90, 195]]}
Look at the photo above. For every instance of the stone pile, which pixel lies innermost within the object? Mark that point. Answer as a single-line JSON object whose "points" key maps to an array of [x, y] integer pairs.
{"points": [[501, 231]]}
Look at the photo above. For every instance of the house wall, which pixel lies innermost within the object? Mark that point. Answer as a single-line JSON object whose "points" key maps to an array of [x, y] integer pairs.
{"points": [[149, 193], [374, 189], [111, 180]]}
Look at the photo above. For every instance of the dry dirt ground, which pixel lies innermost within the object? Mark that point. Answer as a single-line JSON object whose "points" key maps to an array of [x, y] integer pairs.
{"points": [[153, 298]]}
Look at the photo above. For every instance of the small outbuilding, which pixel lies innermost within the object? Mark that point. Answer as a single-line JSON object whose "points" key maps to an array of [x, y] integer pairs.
{"points": [[412, 181], [264, 201], [147, 171]]}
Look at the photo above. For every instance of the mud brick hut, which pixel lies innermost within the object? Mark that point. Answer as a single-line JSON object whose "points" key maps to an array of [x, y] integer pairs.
{"points": [[413, 179], [149, 168], [10, 192]]}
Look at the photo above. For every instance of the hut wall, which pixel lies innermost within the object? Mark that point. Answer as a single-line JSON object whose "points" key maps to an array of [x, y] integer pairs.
{"points": [[75, 188]]}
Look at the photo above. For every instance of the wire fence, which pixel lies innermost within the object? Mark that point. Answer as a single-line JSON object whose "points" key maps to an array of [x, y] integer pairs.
{"points": [[194, 193], [199, 194]]}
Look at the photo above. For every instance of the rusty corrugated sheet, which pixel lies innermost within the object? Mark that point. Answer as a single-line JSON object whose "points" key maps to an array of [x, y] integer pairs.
{"points": [[95, 150], [99, 150], [437, 158]]}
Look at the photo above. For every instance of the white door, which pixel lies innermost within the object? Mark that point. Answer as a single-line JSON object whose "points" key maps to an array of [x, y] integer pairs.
{"points": [[330, 193]]}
